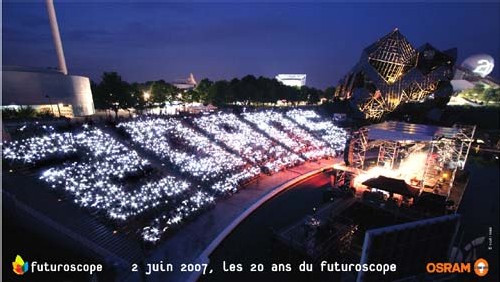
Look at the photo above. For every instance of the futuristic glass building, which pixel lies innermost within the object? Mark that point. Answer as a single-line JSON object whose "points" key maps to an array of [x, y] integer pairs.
{"points": [[391, 71]]}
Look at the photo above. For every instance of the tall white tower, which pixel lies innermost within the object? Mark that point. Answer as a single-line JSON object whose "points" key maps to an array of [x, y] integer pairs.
{"points": [[56, 36]]}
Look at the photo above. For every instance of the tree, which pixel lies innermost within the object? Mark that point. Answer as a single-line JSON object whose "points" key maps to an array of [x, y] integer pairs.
{"points": [[271, 91], [162, 92], [114, 93], [217, 93], [97, 96], [304, 93], [478, 88], [191, 96], [137, 92], [314, 96], [248, 88], [292, 94], [235, 87], [492, 95], [202, 88], [21, 113], [328, 93]]}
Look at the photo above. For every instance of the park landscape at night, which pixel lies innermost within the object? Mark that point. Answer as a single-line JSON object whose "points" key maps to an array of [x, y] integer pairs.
{"points": [[363, 153]]}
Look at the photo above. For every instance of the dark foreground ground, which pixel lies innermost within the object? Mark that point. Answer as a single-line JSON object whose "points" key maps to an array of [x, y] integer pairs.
{"points": [[252, 241]]}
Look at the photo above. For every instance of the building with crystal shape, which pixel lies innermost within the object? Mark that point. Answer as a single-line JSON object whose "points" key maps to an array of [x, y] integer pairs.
{"points": [[391, 71]]}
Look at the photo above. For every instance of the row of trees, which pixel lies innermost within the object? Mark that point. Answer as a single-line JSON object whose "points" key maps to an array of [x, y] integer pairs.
{"points": [[482, 94], [251, 90], [25, 112], [115, 93]]}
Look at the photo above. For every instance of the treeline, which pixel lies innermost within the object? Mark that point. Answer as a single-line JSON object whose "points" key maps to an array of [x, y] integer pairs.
{"points": [[481, 94], [115, 93], [25, 112], [252, 90]]}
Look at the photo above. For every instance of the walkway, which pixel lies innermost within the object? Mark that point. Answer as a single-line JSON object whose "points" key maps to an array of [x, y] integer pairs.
{"points": [[195, 241]]}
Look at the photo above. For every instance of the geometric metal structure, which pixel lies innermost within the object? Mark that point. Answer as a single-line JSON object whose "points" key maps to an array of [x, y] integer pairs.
{"points": [[446, 156], [447, 150], [392, 56], [388, 152], [391, 72], [358, 148]]}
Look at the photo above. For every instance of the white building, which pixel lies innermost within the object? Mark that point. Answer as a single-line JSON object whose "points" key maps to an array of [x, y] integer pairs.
{"points": [[474, 70], [48, 89], [295, 80], [186, 84]]}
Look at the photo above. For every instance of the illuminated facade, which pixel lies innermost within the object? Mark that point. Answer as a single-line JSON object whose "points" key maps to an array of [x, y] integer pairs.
{"points": [[47, 90], [391, 72], [294, 80]]}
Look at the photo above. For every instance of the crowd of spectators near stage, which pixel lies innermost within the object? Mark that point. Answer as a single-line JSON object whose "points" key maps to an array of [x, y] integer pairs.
{"points": [[111, 171]]}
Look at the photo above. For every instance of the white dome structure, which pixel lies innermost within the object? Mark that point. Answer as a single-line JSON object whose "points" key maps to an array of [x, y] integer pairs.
{"points": [[480, 64]]}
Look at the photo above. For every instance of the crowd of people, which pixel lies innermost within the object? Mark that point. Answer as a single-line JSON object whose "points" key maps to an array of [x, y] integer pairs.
{"points": [[188, 150], [98, 180], [35, 149], [239, 136], [154, 231], [207, 157], [321, 127], [278, 127]]}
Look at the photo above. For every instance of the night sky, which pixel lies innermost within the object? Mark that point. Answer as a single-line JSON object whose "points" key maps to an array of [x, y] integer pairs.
{"points": [[150, 41]]}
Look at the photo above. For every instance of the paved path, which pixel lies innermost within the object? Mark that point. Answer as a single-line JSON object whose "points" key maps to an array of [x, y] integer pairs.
{"points": [[195, 241]]}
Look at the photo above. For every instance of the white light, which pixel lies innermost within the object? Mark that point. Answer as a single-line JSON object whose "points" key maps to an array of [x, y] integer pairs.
{"points": [[97, 180], [484, 67]]}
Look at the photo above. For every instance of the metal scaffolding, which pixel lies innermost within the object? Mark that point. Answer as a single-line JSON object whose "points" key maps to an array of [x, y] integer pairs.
{"points": [[357, 148], [340, 178], [447, 152], [447, 155], [387, 154], [375, 107], [466, 135]]}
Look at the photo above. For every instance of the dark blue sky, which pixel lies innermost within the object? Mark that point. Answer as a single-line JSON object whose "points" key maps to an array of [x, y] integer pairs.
{"points": [[149, 41]]}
